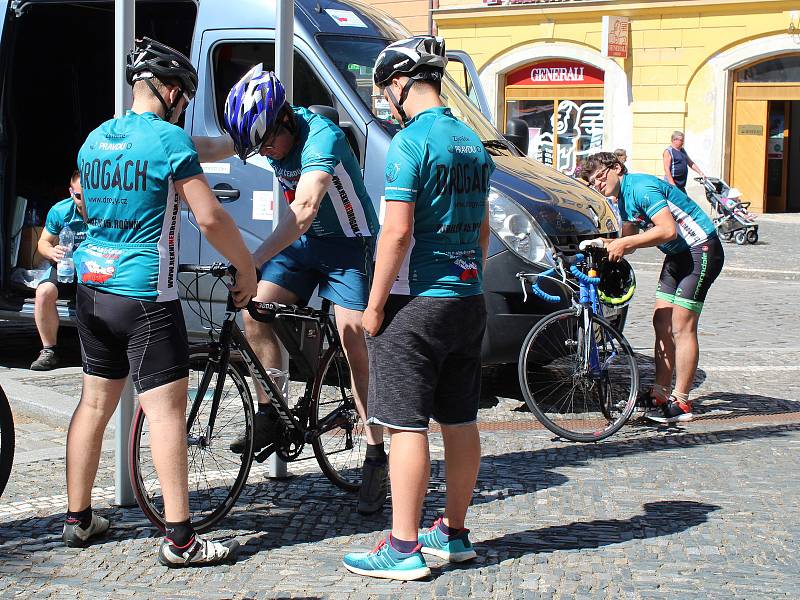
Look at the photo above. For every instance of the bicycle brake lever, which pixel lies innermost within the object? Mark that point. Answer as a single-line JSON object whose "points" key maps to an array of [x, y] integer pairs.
{"points": [[522, 281]]}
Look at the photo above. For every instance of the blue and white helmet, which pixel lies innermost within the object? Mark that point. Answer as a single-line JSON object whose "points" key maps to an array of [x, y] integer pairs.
{"points": [[252, 108]]}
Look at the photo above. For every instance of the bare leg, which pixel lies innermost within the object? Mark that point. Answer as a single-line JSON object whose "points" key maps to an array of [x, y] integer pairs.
{"points": [[261, 336], [45, 313], [687, 351], [409, 471], [165, 409], [462, 457], [348, 322], [85, 437], [664, 353]]}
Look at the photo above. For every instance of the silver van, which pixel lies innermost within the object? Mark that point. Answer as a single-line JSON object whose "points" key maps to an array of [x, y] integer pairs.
{"points": [[66, 48]]}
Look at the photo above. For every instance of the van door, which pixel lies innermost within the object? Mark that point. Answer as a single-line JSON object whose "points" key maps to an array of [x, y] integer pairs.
{"points": [[462, 69]]}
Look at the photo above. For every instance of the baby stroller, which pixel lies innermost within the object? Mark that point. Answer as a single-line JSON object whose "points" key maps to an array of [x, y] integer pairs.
{"points": [[730, 215]]}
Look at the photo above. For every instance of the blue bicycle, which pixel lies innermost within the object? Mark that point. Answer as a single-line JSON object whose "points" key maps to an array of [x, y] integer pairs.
{"points": [[577, 373]]}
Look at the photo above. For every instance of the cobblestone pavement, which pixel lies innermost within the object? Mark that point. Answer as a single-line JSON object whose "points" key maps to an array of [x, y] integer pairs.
{"points": [[705, 510]]}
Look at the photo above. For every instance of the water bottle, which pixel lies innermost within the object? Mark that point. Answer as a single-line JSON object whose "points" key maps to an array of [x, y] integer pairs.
{"points": [[66, 266]]}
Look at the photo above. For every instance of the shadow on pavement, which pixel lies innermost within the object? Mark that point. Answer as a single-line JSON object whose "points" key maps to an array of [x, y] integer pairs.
{"points": [[308, 508], [665, 517]]}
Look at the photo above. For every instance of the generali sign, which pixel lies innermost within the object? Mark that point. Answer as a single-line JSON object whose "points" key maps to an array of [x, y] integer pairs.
{"points": [[556, 72]]}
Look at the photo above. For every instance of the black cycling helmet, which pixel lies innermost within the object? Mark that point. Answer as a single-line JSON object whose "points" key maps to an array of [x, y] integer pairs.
{"points": [[421, 58], [151, 59], [617, 282]]}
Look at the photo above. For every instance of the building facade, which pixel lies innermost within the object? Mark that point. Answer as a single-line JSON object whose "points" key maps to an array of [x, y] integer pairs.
{"points": [[727, 72]]}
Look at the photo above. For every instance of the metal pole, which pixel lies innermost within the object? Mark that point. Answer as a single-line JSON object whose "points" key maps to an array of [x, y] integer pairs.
{"points": [[124, 19], [284, 62]]}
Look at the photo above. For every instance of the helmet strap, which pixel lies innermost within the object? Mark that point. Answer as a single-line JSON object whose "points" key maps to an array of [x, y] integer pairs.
{"points": [[168, 110], [398, 105]]}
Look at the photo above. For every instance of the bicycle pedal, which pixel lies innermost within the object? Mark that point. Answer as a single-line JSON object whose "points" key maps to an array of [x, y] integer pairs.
{"points": [[265, 453]]}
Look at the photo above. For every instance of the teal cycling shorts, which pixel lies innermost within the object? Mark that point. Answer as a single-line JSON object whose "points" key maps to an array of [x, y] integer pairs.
{"points": [[340, 266]]}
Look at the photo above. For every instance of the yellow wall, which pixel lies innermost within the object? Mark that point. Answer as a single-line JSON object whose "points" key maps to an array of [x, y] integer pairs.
{"points": [[672, 42], [411, 13]]}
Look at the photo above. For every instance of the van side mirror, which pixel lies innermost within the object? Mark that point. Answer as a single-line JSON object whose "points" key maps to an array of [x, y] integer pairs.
{"points": [[328, 112], [517, 134]]}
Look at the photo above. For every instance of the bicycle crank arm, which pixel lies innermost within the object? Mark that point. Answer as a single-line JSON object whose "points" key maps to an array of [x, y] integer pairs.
{"points": [[265, 453]]}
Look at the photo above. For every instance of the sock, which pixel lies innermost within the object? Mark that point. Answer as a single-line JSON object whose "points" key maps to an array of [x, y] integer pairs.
{"points": [[661, 393], [84, 516], [682, 399], [179, 534], [265, 409], [404, 546], [376, 453], [448, 531], [53, 347]]}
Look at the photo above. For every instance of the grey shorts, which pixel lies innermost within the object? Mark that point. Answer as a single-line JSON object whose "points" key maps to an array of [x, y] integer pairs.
{"points": [[426, 362]]}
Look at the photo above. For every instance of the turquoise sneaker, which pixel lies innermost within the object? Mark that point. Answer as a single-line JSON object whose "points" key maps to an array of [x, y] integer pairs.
{"points": [[387, 563], [454, 548]]}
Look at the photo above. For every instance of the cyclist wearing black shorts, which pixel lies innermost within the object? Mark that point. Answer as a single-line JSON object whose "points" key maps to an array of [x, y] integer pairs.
{"points": [[682, 231], [135, 169]]}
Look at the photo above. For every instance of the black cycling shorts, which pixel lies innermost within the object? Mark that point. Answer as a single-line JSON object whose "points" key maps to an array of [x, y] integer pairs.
{"points": [[426, 362], [687, 276], [121, 335]]}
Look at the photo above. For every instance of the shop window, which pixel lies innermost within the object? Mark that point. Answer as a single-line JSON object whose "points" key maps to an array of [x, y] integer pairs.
{"points": [[776, 70], [561, 132], [562, 104], [232, 60]]}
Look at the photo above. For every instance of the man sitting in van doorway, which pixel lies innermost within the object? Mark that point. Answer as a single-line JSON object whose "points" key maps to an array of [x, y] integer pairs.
{"points": [[325, 240], [70, 213], [677, 163]]}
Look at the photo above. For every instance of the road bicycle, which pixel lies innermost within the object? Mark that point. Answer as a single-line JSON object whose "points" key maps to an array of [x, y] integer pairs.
{"points": [[6, 440], [577, 373], [220, 409]]}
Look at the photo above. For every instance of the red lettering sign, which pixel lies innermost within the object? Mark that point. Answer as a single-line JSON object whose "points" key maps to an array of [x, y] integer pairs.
{"points": [[557, 73]]}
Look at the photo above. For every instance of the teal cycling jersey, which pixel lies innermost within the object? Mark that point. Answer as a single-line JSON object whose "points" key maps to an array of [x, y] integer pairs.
{"points": [[440, 164], [346, 209], [62, 213], [128, 169], [641, 196]]}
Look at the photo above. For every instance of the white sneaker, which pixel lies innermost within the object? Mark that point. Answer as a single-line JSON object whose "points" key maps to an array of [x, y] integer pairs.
{"points": [[75, 536], [200, 552]]}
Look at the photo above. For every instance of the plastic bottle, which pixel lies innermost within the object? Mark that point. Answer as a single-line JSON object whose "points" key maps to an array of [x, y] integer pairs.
{"points": [[66, 267]]}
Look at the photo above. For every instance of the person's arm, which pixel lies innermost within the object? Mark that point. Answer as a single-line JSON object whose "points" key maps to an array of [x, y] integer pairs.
{"points": [[483, 239], [221, 230], [629, 228], [393, 243], [49, 248], [668, 167], [308, 196], [693, 166], [664, 230], [213, 149]]}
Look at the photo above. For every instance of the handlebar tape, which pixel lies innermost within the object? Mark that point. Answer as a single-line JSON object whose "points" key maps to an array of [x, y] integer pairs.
{"points": [[537, 291]]}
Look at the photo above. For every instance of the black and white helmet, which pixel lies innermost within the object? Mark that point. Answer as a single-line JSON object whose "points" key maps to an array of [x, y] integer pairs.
{"points": [[421, 57]]}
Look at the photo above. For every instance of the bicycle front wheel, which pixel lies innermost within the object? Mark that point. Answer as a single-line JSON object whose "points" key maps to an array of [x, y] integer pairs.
{"points": [[6, 440], [578, 399], [339, 441], [216, 475]]}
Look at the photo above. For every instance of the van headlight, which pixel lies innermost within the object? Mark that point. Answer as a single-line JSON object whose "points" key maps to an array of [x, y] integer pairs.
{"points": [[517, 229]]}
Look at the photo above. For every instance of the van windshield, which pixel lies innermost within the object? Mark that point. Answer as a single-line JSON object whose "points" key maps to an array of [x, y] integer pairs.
{"points": [[354, 57]]}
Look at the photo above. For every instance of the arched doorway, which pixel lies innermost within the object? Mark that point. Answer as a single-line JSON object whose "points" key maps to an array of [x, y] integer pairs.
{"points": [[561, 102], [765, 145]]}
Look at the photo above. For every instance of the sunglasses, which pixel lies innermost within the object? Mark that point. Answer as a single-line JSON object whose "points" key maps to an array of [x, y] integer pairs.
{"points": [[76, 195], [599, 176], [268, 143]]}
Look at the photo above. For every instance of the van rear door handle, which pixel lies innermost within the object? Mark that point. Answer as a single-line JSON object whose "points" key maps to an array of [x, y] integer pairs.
{"points": [[225, 192]]}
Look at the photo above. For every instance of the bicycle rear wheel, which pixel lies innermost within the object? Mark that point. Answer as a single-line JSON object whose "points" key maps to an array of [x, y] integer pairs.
{"points": [[6, 440], [339, 443], [216, 475], [574, 401]]}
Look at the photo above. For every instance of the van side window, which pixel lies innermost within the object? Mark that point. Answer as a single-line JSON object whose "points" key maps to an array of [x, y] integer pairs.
{"points": [[234, 59]]}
